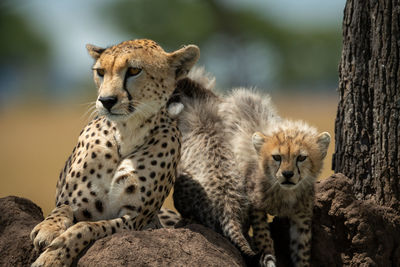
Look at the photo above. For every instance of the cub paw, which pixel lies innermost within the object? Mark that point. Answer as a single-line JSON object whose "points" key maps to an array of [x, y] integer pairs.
{"points": [[267, 260]]}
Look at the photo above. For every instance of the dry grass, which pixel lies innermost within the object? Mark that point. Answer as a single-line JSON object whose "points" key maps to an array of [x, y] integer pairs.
{"points": [[35, 143]]}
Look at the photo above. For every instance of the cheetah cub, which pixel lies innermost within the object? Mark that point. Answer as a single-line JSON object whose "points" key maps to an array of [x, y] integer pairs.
{"points": [[124, 163], [208, 189], [280, 160]]}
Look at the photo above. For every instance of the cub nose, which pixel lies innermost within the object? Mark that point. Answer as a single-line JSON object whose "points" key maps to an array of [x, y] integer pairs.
{"points": [[108, 101], [287, 174]]}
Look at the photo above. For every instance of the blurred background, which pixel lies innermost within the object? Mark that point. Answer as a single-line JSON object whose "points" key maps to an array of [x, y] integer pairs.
{"points": [[289, 49]]}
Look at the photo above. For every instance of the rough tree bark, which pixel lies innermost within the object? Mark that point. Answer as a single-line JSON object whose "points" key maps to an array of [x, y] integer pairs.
{"points": [[367, 125]]}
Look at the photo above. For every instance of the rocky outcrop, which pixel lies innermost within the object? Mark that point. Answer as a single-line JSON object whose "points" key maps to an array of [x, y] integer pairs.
{"points": [[18, 216], [346, 232], [193, 245]]}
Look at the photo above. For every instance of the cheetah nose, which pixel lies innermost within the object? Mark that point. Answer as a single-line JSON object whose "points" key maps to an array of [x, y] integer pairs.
{"points": [[287, 174], [108, 101]]}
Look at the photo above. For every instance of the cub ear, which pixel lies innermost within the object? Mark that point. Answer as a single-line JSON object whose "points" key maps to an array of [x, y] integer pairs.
{"points": [[183, 60], [258, 140], [323, 140], [94, 51]]}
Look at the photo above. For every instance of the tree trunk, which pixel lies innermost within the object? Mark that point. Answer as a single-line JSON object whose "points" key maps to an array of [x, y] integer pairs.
{"points": [[367, 127]]}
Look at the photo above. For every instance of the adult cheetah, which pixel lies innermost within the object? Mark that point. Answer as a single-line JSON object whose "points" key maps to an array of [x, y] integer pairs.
{"points": [[124, 164]]}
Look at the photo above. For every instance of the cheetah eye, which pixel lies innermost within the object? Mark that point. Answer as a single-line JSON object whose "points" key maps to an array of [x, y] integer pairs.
{"points": [[301, 158], [133, 71], [277, 157], [100, 72]]}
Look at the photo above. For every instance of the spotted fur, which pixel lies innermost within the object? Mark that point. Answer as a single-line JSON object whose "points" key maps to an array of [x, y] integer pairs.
{"points": [[280, 160], [226, 173], [208, 189], [125, 161], [169, 218]]}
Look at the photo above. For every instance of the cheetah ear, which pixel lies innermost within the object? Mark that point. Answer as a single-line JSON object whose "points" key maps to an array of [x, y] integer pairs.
{"points": [[258, 140], [183, 60], [94, 51], [323, 140]]}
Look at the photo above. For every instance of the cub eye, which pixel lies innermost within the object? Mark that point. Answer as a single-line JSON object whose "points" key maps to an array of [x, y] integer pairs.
{"points": [[277, 157], [133, 71], [301, 158], [100, 72]]}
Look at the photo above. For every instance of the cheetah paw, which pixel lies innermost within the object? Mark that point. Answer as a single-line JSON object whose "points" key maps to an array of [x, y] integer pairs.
{"points": [[267, 260], [51, 258], [55, 255], [45, 232], [42, 236]]}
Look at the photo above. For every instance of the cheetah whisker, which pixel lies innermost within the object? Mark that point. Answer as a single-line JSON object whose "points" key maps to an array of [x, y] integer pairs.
{"points": [[139, 104], [92, 114], [90, 111], [305, 182], [88, 103], [141, 108]]}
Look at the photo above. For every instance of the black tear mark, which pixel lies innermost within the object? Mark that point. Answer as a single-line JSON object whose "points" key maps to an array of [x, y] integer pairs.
{"points": [[99, 206]]}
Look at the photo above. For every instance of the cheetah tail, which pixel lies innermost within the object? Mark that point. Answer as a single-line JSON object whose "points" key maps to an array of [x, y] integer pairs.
{"points": [[233, 230]]}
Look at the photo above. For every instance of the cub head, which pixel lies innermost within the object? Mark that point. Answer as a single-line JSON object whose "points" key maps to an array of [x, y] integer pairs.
{"points": [[291, 155], [137, 77]]}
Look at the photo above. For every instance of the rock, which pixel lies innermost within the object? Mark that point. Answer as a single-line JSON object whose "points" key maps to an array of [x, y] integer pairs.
{"points": [[346, 231], [18, 216], [193, 245]]}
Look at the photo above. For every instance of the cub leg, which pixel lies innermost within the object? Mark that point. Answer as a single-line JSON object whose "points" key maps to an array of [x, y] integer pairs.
{"points": [[300, 239], [262, 238]]}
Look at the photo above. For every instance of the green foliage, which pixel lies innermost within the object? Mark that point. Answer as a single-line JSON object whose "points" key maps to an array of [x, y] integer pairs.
{"points": [[20, 42], [304, 56], [168, 22]]}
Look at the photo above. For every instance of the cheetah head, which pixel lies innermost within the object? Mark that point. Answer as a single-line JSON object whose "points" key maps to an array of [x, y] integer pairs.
{"points": [[136, 78], [292, 155]]}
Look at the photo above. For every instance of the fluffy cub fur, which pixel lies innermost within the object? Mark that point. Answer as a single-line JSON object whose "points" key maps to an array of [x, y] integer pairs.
{"points": [[208, 189], [280, 160], [240, 161]]}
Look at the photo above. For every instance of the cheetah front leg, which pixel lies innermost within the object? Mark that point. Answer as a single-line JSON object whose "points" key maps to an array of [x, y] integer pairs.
{"points": [[300, 239], [59, 220], [66, 247], [262, 238]]}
